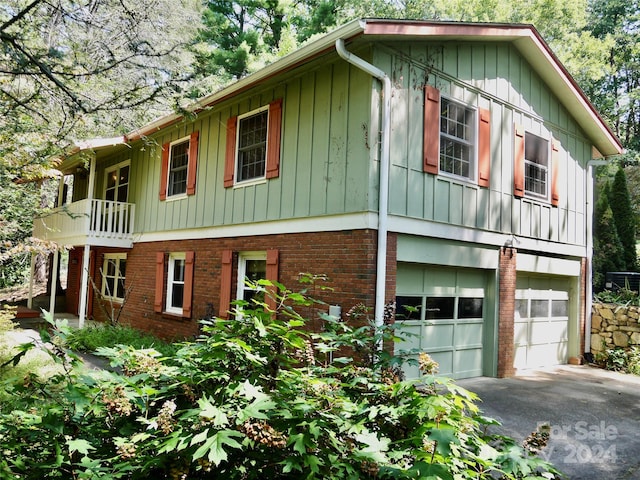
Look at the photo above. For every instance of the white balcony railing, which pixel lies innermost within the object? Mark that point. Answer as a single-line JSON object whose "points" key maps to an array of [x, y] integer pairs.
{"points": [[93, 222]]}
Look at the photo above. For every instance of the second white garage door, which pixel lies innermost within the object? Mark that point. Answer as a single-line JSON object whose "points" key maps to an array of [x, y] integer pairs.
{"points": [[541, 322]]}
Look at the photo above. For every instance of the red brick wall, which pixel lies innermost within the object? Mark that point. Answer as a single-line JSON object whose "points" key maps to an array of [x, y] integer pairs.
{"points": [[583, 305], [348, 258], [507, 295]]}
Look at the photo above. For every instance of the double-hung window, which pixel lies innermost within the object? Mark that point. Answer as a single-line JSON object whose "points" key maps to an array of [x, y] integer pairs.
{"points": [[175, 283], [457, 139], [253, 145], [113, 276], [252, 267], [178, 168], [178, 164], [536, 165]]}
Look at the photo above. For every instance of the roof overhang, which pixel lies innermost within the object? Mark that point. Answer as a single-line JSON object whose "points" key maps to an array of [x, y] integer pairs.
{"points": [[525, 39]]}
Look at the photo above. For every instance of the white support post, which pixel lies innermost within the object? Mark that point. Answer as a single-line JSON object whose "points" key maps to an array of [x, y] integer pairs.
{"points": [[83, 286], [31, 271], [53, 279]]}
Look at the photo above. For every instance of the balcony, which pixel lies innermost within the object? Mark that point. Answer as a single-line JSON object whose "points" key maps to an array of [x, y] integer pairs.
{"points": [[102, 223]]}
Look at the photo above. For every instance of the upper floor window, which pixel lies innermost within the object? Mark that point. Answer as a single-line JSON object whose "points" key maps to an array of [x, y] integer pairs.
{"points": [[178, 172], [457, 139], [536, 165], [178, 164], [253, 145], [113, 276]]}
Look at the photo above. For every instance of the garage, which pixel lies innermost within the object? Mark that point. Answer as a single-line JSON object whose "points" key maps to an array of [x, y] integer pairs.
{"points": [[441, 311], [541, 323]]}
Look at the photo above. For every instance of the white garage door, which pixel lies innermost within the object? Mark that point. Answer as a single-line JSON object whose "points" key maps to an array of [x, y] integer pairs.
{"points": [[541, 323], [441, 311]]}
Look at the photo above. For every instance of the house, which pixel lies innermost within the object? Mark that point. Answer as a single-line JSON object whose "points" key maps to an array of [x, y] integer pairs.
{"points": [[446, 166]]}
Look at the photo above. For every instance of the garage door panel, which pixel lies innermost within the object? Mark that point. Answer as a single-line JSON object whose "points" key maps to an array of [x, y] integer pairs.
{"points": [[445, 362], [437, 336], [468, 335], [521, 333], [468, 363]]}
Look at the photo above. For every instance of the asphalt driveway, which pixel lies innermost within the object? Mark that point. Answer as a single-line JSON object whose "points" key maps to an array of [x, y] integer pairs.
{"points": [[594, 417]]}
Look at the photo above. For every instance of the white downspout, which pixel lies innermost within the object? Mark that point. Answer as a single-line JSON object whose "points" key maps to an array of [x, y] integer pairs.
{"points": [[589, 252], [383, 199]]}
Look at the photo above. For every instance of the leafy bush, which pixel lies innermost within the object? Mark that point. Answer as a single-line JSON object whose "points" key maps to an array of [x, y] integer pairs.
{"points": [[91, 338], [253, 397], [624, 296], [620, 359]]}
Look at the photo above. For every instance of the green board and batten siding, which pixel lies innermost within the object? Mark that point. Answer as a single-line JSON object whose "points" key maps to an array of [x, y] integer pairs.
{"points": [[329, 141], [496, 77], [324, 167]]}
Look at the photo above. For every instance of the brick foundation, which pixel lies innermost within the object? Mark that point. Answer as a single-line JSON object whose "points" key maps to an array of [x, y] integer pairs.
{"points": [[347, 258], [507, 295]]}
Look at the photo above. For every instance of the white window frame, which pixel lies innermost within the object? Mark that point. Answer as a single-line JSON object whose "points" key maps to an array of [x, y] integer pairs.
{"points": [[174, 196], [546, 168], [243, 257], [472, 143], [116, 168], [173, 257], [263, 177], [118, 276]]}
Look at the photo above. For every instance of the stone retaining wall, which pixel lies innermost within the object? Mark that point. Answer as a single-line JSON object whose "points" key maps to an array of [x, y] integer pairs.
{"points": [[614, 325]]}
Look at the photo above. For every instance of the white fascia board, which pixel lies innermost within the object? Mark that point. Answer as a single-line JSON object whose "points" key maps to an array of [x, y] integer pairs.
{"points": [[445, 231], [330, 223]]}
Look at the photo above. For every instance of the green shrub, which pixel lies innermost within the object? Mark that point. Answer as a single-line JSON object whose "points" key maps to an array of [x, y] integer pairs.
{"points": [[620, 359], [254, 397], [91, 338]]}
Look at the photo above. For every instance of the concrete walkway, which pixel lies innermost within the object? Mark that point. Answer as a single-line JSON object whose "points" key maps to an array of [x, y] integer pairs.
{"points": [[594, 417]]}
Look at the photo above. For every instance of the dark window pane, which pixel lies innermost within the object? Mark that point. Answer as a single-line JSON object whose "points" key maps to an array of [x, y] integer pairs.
{"points": [[178, 271], [470, 307], [559, 308], [408, 308], [177, 295], [109, 291], [256, 270], [123, 267], [440, 308], [539, 308]]}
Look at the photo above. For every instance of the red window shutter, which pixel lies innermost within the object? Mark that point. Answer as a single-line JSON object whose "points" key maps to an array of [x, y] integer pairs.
{"points": [[230, 154], [193, 163], [189, 260], [273, 142], [555, 171], [226, 277], [164, 171], [484, 148], [518, 161], [157, 304], [272, 275], [431, 141]]}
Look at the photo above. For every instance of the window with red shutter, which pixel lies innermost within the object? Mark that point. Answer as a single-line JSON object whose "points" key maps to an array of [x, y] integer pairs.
{"points": [[179, 167], [253, 145]]}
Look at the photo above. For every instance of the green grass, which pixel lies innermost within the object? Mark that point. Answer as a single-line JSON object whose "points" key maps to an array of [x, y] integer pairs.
{"points": [[91, 338]]}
